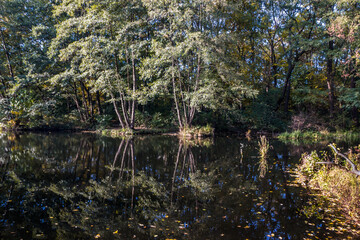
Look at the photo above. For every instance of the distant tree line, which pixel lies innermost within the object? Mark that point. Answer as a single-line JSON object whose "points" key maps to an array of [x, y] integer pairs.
{"points": [[229, 63]]}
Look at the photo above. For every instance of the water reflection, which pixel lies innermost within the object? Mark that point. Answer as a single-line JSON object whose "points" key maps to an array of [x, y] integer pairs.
{"points": [[62, 186]]}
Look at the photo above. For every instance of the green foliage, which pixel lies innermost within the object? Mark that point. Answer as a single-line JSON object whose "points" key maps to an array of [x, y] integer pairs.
{"points": [[103, 121], [349, 136], [160, 121], [309, 165], [231, 64], [261, 113], [334, 182]]}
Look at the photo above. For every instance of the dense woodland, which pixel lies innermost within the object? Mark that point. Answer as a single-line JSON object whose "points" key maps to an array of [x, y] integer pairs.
{"points": [[233, 64]]}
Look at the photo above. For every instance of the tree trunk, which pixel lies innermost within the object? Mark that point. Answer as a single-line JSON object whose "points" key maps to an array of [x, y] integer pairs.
{"points": [[84, 101], [175, 97], [11, 71], [354, 110], [286, 92], [117, 110], [132, 119], [273, 64], [330, 78], [98, 102], [76, 100]]}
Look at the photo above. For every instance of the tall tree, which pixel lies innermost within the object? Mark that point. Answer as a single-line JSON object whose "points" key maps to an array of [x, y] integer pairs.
{"points": [[187, 59]]}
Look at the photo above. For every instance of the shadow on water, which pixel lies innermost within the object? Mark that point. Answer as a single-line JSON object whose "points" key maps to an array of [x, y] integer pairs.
{"points": [[79, 186]]}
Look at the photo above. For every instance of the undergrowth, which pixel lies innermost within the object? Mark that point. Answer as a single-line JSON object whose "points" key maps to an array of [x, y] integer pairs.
{"points": [[334, 181]]}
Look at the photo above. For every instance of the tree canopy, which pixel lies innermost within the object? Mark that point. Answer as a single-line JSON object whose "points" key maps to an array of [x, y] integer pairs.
{"points": [[177, 63]]}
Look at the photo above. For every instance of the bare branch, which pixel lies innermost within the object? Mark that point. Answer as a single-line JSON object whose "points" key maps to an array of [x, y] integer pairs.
{"points": [[353, 166]]}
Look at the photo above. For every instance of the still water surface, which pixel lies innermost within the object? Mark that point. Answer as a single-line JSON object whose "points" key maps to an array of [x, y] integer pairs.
{"points": [[82, 186]]}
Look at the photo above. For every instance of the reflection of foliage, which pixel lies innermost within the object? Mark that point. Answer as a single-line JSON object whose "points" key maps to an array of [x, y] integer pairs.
{"points": [[197, 142], [263, 151], [144, 188]]}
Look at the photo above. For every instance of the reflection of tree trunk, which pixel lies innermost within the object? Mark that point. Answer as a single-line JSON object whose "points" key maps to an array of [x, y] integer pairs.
{"points": [[116, 156], [188, 164], [77, 156], [123, 159], [132, 173], [98, 162], [89, 162], [174, 175]]}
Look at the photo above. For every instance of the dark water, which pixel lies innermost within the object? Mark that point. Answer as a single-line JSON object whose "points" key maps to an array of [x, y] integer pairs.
{"points": [[82, 186]]}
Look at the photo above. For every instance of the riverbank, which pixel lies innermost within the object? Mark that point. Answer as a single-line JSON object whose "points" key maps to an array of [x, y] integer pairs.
{"points": [[328, 178], [318, 135]]}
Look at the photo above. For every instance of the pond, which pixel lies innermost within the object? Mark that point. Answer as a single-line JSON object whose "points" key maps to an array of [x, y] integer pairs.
{"points": [[83, 186]]}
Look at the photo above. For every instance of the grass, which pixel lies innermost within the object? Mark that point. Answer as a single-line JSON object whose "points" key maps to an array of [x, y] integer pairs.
{"points": [[333, 181], [319, 135], [197, 131], [121, 132]]}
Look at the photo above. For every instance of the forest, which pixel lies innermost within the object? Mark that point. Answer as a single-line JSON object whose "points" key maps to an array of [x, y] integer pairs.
{"points": [[231, 64]]}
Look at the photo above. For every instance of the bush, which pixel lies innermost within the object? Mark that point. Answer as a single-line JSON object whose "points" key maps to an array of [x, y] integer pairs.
{"points": [[103, 121], [333, 181], [161, 121]]}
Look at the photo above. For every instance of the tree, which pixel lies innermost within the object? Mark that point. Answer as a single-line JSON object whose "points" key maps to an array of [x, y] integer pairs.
{"points": [[186, 58]]}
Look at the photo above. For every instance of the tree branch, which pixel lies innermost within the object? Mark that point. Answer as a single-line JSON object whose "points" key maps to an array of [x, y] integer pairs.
{"points": [[353, 166]]}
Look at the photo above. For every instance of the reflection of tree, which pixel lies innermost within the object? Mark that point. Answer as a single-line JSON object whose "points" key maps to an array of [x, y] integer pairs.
{"points": [[118, 188]]}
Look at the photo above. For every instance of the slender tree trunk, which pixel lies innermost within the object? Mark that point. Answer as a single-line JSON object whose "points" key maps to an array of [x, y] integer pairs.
{"points": [[123, 105], [11, 71], [193, 108], [175, 97], [287, 98], [117, 110], [132, 119], [354, 110], [76, 100], [98, 102], [286, 90], [185, 108], [330, 78], [273, 64], [84, 101], [124, 111]]}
